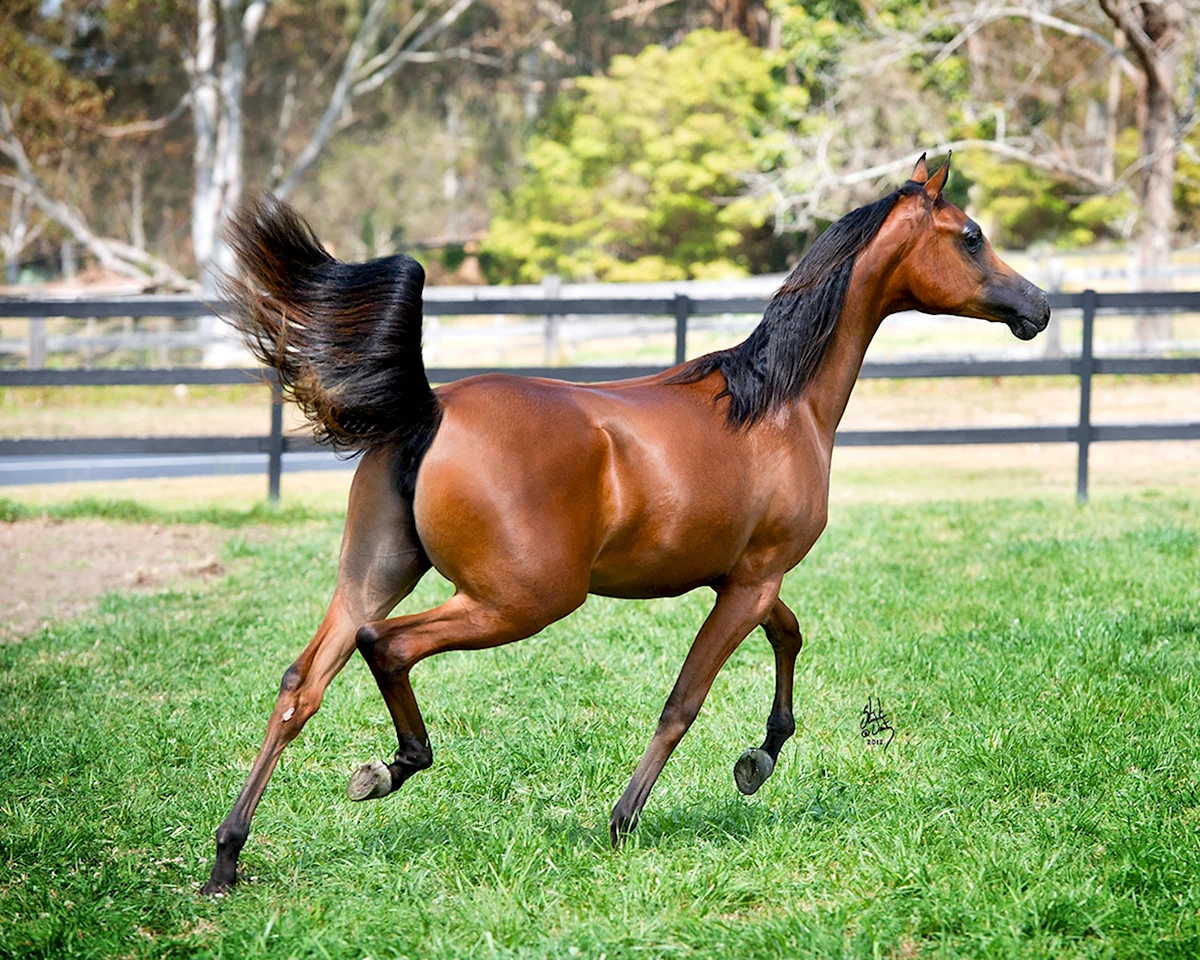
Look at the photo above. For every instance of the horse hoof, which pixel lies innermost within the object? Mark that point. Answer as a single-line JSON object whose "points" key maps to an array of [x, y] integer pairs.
{"points": [[216, 888], [752, 769], [370, 781]]}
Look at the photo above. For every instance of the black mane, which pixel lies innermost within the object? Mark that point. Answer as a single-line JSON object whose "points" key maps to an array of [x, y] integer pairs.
{"points": [[780, 358]]}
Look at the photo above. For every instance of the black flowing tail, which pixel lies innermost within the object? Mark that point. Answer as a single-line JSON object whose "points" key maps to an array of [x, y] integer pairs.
{"points": [[345, 338]]}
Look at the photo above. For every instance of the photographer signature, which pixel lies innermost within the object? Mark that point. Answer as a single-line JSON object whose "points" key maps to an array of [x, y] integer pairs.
{"points": [[875, 724]]}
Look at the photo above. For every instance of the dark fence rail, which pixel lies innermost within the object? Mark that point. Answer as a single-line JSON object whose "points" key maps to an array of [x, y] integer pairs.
{"points": [[1083, 433]]}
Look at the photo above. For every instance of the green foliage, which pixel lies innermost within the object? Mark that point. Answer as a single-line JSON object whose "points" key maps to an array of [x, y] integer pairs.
{"points": [[813, 33], [637, 178], [1019, 205], [1040, 799], [36, 83], [1187, 184]]}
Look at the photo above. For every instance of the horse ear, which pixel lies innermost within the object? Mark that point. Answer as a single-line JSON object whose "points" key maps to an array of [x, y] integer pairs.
{"points": [[934, 185], [920, 172]]}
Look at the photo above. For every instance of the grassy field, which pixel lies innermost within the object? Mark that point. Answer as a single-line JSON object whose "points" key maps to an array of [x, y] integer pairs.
{"points": [[1041, 798]]}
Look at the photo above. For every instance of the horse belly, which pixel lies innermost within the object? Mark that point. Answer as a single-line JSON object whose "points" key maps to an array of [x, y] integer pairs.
{"points": [[665, 560]]}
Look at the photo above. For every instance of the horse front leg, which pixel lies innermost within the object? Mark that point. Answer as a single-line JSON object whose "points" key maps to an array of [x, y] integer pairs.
{"points": [[738, 610], [756, 765]]}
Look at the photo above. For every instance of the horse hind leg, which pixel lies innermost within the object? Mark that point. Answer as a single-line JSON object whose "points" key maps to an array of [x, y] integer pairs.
{"points": [[757, 764], [379, 564], [393, 647], [414, 752]]}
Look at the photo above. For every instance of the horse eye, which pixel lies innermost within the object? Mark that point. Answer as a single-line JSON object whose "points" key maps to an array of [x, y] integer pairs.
{"points": [[973, 241]]}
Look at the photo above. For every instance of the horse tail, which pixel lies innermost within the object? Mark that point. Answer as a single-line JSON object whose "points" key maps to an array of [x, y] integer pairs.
{"points": [[345, 338]]}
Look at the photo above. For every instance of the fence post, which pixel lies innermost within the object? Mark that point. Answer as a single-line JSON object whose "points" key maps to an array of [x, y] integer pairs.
{"points": [[275, 445], [683, 307], [1086, 364], [37, 343], [551, 350]]}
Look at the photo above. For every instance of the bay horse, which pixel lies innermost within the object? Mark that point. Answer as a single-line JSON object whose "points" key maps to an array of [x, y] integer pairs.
{"points": [[529, 494]]}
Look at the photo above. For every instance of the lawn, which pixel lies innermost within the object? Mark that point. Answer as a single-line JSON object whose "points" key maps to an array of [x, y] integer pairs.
{"points": [[1041, 797]]}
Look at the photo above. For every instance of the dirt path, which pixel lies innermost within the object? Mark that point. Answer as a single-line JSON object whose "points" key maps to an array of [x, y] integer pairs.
{"points": [[55, 569]]}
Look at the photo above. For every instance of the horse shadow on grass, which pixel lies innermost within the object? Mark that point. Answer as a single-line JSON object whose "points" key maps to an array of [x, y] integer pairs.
{"points": [[715, 821]]}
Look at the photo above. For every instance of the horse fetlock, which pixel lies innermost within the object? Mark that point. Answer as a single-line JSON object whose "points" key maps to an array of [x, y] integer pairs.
{"points": [[231, 837], [219, 881], [415, 756], [621, 824]]}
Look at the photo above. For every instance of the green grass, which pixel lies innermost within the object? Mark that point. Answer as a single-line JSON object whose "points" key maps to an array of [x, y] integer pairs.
{"points": [[1041, 798], [132, 511]]}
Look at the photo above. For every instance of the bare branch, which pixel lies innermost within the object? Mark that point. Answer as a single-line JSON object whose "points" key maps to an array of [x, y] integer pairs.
{"points": [[252, 19], [439, 26], [456, 53], [1143, 46], [379, 61], [348, 87], [116, 255], [139, 126], [806, 203], [343, 91], [978, 17], [555, 12], [639, 9], [286, 109]]}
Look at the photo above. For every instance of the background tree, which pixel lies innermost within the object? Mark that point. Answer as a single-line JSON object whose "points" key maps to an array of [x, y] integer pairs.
{"points": [[637, 176], [588, 137], [1039, 97], [204, 54]]}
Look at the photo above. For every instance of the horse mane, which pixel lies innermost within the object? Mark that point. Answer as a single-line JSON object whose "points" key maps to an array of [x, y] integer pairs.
{"points": [[781, 356]]}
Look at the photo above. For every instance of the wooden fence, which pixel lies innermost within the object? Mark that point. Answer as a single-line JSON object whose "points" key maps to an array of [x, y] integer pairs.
{"points": [[681, 307]]}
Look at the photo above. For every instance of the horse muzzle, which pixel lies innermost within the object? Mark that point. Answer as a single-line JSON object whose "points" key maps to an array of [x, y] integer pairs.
{"points": [[1021, 306]]}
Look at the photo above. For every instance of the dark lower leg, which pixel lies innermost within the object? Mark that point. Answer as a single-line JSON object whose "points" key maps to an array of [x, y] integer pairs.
{"points": [[300, 695], [755, 766], [735, 614], [413, 752], [393, 647]]}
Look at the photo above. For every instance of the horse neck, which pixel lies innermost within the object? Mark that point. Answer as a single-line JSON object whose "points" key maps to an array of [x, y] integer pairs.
{"points": [[867, 303]]}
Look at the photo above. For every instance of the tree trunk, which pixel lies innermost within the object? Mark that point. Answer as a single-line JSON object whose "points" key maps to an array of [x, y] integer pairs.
{"points": [[1157, 191], [137, 212], [205, 107], [1112, 107], [450, 179], [1153, 31]]}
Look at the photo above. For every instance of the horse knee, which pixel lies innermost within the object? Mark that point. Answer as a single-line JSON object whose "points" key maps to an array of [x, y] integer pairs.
{"points": [[386, 654], [293, 676], [365, 638]]}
